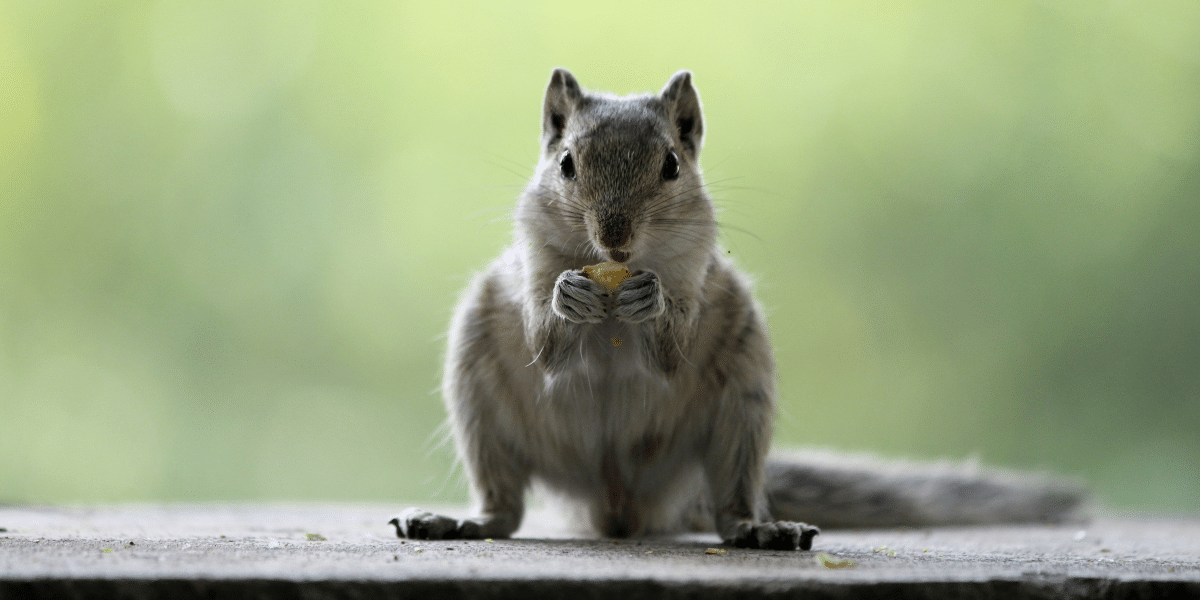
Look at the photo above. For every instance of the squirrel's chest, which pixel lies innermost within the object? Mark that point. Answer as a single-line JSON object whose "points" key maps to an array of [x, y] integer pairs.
{"points": [[611, 358], [609, 387], [611, 412]]}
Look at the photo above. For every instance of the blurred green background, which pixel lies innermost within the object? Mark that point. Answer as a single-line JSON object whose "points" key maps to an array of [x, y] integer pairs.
{"points": [[231, 232]]}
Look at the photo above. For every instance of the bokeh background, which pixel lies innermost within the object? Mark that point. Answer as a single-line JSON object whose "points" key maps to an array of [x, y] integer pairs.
{"points": [[231, 232]]}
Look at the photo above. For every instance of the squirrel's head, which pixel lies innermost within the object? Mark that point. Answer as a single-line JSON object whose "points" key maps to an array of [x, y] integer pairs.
{"points": [[623, 171]]}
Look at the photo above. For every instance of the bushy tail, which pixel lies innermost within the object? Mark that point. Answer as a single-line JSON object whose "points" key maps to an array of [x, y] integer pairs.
{"points": [[839, 490]]}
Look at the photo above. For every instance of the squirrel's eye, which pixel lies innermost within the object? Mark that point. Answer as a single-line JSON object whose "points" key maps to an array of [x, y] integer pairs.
{"points": [[567, 165], [671, 167]]}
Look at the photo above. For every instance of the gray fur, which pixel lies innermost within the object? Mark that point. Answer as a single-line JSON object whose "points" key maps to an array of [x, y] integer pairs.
{"points": [[668, 430]]}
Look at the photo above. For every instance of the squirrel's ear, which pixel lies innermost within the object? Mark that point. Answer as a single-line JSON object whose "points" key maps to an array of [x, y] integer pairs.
{"points": [[683, 109], [562, 95]]}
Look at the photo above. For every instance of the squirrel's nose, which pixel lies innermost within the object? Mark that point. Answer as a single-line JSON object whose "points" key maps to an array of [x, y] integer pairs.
{"points": [[615, 232]]}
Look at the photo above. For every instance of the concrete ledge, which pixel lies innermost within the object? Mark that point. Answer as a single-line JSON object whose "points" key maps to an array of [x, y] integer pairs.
{"points": [[579, 590], [258, 551]]}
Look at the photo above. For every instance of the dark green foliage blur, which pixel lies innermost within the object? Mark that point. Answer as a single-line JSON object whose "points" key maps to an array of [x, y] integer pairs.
{"points": [[231, 232]]}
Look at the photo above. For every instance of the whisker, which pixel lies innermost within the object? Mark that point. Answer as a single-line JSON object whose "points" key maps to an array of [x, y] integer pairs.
{"points": [[720, 162], [504, 168], [506, 159]]}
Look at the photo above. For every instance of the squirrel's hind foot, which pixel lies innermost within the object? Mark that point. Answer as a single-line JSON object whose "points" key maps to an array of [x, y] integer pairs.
{"points": [[418, 524], [779, 535]]}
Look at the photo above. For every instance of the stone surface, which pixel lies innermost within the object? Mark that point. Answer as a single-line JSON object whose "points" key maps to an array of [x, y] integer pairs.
{"points": [[349, 551]]}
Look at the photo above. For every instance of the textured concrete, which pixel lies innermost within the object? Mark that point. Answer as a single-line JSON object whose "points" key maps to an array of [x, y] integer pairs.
{"points": [[258, 551]]}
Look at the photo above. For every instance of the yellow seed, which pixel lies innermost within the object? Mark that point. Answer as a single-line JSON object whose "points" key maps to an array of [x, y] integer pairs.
{"points": [[717, 551], [616, 342]]}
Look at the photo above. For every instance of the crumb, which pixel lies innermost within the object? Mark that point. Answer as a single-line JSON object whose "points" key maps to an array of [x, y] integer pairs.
{"points": [[830, 562]]}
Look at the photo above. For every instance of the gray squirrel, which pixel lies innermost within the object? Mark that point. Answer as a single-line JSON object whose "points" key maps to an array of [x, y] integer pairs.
{"points": [[651, 406]]}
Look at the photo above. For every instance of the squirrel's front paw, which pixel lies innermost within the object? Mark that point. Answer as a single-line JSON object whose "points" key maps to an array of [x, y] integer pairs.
{"points": [[640, 298], [578, 299]]}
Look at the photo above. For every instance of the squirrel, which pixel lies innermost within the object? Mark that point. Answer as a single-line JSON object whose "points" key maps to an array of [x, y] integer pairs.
{"points": [[652, 405]]}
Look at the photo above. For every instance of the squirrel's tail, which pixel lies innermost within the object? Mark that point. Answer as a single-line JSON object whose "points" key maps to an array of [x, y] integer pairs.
{"points": [[838, 490]]}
